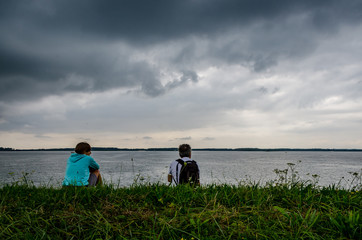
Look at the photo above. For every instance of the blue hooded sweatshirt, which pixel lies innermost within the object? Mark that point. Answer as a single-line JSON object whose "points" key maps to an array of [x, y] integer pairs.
{"points": [[77, 171]]}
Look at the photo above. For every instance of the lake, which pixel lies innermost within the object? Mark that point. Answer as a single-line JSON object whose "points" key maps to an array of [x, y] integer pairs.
{"points": [[124, 168]]}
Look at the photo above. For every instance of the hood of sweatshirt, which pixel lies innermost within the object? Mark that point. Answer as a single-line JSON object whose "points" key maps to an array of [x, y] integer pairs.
{"points": [[75, 157]]}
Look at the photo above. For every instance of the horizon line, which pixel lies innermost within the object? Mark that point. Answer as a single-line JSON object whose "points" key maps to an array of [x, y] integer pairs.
{"points": [[176, 149]]}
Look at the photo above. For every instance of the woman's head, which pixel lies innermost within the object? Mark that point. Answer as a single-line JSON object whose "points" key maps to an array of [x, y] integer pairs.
{"points": [[82, 148]]}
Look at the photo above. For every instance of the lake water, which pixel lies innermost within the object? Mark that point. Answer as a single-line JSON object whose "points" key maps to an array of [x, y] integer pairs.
{"points": [[117, 167]]}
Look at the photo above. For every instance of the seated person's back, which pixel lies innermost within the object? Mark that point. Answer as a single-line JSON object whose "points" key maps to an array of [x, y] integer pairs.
{"points": [[82, 169], [184, 170]]}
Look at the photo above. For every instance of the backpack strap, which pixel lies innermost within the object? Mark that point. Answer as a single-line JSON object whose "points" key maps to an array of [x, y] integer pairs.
{"points": [[181, 162]]}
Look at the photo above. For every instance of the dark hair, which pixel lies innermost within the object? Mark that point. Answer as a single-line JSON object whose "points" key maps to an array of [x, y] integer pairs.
{"points": [[82, 148], [184, 150]]}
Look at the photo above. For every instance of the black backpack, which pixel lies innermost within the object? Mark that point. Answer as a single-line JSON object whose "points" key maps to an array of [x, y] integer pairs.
{"points": [[189, 172]]}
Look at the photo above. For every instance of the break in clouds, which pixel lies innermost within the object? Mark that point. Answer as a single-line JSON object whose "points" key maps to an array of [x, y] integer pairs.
{"points": [[152, 67]]}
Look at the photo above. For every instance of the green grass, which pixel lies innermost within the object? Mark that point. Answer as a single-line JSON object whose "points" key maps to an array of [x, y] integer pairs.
{"points": [[157, 211]]}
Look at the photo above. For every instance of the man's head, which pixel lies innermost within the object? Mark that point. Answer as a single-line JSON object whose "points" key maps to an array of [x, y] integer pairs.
{"points": [[82, 148], [184, 150]]}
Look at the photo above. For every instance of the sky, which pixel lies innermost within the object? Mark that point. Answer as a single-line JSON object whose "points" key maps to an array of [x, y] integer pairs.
{"points": [[211, 73]]}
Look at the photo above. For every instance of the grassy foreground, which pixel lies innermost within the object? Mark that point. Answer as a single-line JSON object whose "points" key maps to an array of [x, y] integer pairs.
{"points": [[157, 211]]}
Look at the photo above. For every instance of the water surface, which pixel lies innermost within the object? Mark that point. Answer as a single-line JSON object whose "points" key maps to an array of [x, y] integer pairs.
{"points": [[125, 167]]}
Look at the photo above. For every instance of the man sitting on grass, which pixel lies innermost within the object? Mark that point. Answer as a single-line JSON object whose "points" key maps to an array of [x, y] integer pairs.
{"points": [[184, 170], [81, 169]]}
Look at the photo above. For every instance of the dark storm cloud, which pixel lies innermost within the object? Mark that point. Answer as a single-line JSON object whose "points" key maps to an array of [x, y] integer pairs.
{"points": [[55, 47], [142, 21]]}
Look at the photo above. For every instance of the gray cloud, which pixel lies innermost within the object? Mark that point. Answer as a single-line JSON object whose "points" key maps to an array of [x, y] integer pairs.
{"points": [[208, 139], [186, 76], [182, 139], [55, 47], [148, 67], [42, 136], [131, 20]]}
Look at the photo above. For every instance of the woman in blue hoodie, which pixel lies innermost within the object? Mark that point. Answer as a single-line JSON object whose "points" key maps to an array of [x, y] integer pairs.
{"points": [[81, 169]]}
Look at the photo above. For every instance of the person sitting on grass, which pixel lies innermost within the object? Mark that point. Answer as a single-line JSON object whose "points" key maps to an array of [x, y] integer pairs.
{"points": [[184, 170], [81, 169]]}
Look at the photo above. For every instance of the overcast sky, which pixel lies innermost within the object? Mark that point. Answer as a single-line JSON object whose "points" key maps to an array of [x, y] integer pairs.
{"points": [[211, 73]]}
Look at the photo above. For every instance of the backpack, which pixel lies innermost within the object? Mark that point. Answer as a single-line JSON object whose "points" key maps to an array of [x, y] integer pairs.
{"points": [[189, 172]]}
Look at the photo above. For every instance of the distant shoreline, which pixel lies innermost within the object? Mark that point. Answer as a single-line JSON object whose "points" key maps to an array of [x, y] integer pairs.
{"points": [[197, 149]]}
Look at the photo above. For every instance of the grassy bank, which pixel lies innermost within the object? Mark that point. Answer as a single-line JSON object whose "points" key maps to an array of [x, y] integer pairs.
{"points": [[156, 211]]}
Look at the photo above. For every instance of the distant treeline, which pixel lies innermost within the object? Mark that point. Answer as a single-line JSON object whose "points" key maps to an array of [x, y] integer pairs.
{"points": [[196, 149]]}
